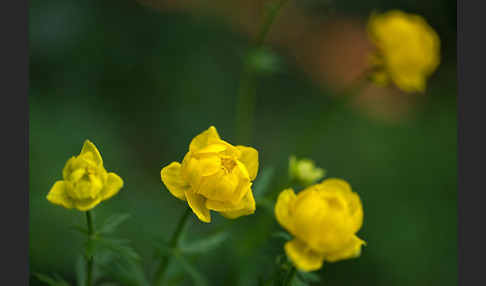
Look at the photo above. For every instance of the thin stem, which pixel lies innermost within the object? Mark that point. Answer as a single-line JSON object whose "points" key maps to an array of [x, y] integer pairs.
{"points": [[290, 276], [173, 244], [245, 108], [91, 230]]}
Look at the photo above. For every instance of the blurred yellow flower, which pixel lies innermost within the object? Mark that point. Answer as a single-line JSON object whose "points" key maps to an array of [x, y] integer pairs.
{"points": [[86, 182], [214, 175], [304, 171], [323, 219], [407, 50]]}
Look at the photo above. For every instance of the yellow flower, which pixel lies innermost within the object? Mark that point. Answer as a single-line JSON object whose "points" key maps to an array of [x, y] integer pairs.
{"points": [[304, 171], [407, 50], [86, 182], [214, 175], [323, 219]]}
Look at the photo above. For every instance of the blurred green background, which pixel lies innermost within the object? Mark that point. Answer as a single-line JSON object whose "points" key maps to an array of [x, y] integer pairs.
{"points": [[141, 82]]}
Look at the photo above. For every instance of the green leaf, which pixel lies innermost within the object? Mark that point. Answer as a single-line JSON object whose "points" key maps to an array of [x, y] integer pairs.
{"points": [[119, 247], [205, 244], [297, 281], [197, 278], [110, 225], [125, 272], [282, 268], [280, 272], [54, 280]]}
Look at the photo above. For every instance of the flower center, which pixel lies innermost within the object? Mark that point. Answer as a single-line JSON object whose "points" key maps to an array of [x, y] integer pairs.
{"points": [[228, 164], [87, 173]]}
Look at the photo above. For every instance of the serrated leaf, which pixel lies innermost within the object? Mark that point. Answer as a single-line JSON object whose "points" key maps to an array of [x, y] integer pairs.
{"points": [[54, 280], [205, 244], [119, 247], [110, 225]]}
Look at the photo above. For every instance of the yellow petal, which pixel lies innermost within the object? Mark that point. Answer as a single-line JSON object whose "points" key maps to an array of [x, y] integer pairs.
{"points": [[249, 157], [210, 164], [218, 188], [410, 83], [224, 206], [58, 195], [282, 207], [87, 204], [197, 204], [352, 198], [90, 147], [303, 257], [191, 171], [249, 207], [336, 185], [242, 169], [83, 190], [201, 140], [113, 185], [214, 146], [171, 177], [230, 151], [350, 250], [241, 189], [66, 171]]}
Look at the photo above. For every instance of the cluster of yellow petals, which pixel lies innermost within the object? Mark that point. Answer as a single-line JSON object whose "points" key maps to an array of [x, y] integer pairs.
{"points": [[407, 50], [214, 175], [86, 182], [323, 219]]}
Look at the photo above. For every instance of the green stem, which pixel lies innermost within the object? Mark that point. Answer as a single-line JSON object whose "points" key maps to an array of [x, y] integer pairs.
{"points": [[245, 106], [173, 244], [290, 276], [91, 230]]}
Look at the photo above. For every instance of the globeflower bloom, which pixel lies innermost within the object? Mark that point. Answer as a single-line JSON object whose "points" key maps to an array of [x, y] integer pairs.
{"points": [[407, 50], [323, 219], [86, 182], [305, 171], [214, 175]]}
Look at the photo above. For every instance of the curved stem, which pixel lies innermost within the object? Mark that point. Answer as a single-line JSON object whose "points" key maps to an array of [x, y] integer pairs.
{"points": [[91, 230], [245, 106], [173, 244]]}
